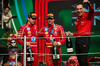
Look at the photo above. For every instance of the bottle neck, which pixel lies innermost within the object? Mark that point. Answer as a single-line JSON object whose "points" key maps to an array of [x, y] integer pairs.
{"points": [[68, 38], [28, 47]]}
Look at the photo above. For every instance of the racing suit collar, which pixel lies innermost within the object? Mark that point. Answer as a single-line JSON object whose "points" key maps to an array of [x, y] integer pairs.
{"points": [[82, 15], [30, 24], [50, 26]]}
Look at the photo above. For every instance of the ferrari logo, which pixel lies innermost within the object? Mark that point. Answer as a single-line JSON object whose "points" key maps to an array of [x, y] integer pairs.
{"points": [[35, 27]]}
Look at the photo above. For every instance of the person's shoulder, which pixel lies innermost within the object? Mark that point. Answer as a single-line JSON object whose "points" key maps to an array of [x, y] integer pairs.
{"points": [[35, 26], [43, 27], [59, 26], [84, 14], [22, 27]]}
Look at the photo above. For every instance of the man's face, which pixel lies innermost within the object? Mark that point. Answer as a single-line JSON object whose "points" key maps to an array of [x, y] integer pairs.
{"points": [[6, 10], [50, 21], [79, 10], [31, 21]]}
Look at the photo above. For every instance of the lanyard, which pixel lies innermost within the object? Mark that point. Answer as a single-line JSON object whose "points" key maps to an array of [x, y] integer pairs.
{"points": [[52, 30]]}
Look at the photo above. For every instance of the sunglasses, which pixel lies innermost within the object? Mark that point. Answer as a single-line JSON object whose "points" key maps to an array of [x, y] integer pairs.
{"points": [[34, 18], [49, 18]]}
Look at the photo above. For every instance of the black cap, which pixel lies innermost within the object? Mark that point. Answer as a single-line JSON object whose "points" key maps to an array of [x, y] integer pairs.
{"points": [[50, 15], [32, 15]]}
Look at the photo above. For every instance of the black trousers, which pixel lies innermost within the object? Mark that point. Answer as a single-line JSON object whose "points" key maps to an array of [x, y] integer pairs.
{"points": [[82, 45]]}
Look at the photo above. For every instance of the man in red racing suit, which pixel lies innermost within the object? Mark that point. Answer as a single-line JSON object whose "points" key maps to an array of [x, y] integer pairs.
{"points": [[29, 30], [52, 31]]}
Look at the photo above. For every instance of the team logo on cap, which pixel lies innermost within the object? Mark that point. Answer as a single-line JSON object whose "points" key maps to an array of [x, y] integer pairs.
{"points": [[50, 15], [33, 14], [28, 28], [46, 29]]}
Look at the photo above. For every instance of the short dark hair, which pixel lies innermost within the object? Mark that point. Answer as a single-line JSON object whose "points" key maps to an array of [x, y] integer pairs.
{"points": [[80, 4], [6, 7]]}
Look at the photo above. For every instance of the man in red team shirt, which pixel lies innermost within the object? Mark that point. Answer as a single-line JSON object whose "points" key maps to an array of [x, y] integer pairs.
{"points": [[83, 28], [50, 32], [30, 30]]}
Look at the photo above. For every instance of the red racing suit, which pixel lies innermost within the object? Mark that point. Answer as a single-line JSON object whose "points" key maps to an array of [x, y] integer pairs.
{"points": [[30, 31], [84, 23], [59, 36]]}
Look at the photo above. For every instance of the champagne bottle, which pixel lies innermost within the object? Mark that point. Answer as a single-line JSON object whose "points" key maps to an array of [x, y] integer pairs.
{"points": [[69, 45], [55, 52], [30, 57]]}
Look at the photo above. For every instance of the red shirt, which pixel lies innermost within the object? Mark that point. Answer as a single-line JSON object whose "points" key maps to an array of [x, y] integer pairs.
{"points": [[84, 23], [58, 34], [27, 30]]}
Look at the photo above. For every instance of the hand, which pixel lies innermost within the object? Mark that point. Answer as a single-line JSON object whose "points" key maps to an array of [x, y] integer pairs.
{"points": [[86, 1], [10, 17], [18, 64], [28, 43], [13, 16], [67, 33], [55, 43], [71, 34]]}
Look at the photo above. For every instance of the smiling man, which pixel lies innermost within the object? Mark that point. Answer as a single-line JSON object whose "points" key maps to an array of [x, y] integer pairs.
{"points": [[50, 32], [30, 30], [83, 28]]}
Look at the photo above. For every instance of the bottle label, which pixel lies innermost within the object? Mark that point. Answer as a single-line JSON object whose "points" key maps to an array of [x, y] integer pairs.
{"points": [[28, 59], [69, 49], [56, 56]]}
